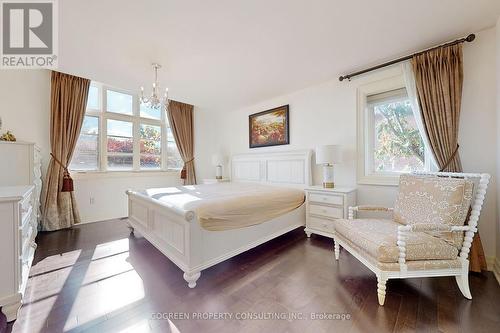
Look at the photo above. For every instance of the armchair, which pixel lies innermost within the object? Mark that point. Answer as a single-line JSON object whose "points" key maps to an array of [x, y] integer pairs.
{"points": [[430, 233]]}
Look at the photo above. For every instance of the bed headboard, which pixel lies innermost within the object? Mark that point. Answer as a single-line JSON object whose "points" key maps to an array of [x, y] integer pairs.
{"points": [[291, 168]]}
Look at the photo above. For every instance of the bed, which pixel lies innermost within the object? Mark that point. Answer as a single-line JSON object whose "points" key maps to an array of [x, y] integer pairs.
{"points": [[199, 226]]}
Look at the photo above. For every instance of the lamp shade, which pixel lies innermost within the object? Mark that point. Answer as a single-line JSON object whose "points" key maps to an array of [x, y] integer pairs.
{"points": [[328, 154], [218, 159]]}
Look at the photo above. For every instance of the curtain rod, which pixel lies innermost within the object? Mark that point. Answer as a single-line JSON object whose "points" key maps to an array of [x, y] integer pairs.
{"points": [[469, 38]]}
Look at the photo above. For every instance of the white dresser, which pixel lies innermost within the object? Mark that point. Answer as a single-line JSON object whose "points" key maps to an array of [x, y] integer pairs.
{"points": [[17, 244], [324, 205], [20, 164]]}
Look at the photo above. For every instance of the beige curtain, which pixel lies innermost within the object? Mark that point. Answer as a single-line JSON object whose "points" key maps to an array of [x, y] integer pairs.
{"points": [[68, 104], [180, 116], [439, 80]]}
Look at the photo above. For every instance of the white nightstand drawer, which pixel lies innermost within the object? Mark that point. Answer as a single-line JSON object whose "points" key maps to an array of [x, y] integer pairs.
{"points": [[319, 224], [327, 199], [332, 212]]}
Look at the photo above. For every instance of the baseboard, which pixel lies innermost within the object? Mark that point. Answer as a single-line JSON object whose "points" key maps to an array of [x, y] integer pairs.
{"points": [[102, 220], [490, 263], [496, 269]]}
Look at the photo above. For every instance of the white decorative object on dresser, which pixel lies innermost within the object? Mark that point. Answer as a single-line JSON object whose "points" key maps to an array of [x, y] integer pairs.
{"points": [[215, 180], [21, 165], [324, 205], [17, 244]]}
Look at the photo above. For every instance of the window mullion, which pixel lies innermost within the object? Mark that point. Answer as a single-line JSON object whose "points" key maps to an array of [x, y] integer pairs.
{"points": [[136, 136], [104, 141], [164, 140], [164, 147]]}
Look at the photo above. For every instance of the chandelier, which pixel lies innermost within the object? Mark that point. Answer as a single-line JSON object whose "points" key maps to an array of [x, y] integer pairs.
{"points": [[154, 101]]}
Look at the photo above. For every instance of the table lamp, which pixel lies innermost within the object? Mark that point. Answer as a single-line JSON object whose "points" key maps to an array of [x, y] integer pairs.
{"points": [[218, 161], [327, 155]]}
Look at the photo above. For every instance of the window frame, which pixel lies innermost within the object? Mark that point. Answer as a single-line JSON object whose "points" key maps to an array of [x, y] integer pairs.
{"points": [[365, 134], [136, 121]]}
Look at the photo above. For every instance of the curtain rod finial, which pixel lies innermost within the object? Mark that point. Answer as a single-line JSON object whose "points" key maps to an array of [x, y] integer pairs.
{"points": [[470, 38], [341, 78]]}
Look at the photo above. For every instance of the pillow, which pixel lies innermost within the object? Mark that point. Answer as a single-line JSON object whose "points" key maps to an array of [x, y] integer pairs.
{"points": [[432, 199]]}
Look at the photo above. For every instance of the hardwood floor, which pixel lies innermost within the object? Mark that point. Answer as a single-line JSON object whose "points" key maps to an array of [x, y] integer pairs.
{"points": [[97, 278]]}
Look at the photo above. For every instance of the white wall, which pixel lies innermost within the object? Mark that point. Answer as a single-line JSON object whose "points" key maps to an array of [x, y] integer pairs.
{"points": [[25, 106], [205, 127], [326, 114], [497, 262], [102, 196], [477, 136]]}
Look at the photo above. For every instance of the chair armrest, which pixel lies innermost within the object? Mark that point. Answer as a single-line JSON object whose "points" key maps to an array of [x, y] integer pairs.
{"points": [[403, 230], [368, 208], [417, 227]]}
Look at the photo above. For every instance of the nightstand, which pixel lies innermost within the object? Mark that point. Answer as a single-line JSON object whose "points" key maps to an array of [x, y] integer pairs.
{"points": [[215, 181], [324, 205]]}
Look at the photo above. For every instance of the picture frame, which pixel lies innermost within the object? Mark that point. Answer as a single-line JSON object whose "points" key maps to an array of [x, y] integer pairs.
{"points": [[269, 128]]}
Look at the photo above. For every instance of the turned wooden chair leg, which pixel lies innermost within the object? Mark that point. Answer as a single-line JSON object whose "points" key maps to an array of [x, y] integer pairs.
{"points": [[381, 282], [463, 284], [336, 248]]}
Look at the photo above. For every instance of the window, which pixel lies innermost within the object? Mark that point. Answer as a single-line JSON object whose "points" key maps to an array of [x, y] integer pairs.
{"points": [[148, 112], [397, 144], [150, 146], [120, 145], [389, 142], [174, 159], [119, 135], [93, 99], [119, 102], [86, 154]]}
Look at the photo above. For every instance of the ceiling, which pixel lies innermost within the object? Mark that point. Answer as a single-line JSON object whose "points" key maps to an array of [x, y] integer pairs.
{"points": [[226, 54]]}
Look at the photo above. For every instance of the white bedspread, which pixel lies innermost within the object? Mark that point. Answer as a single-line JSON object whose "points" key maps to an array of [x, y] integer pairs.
{"points": [[225, 206]]}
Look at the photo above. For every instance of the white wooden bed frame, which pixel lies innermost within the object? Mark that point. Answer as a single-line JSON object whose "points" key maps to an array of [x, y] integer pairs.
{"points": [[179, 236]]}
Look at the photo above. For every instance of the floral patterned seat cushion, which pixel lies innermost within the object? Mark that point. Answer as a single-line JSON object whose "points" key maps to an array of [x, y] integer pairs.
{"points": [[414, 265], [434, 200], [378, 238]]}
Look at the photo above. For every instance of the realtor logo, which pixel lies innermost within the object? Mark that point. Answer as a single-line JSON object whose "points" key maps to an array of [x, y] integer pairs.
{"points": [[29, 34]]}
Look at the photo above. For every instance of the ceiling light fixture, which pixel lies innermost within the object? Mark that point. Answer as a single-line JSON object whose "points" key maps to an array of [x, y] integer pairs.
{"points": [[155, 101]]}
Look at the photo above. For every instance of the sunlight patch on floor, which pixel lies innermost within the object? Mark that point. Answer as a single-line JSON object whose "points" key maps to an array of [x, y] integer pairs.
{"points": [[111, 248], [113, 293]]}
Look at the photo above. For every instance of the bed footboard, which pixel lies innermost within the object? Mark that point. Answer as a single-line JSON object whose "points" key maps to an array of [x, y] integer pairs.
{"points": [[167, 229]]}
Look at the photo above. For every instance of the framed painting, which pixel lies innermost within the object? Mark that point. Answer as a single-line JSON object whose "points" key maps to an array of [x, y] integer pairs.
{"points": [[269, 128]]}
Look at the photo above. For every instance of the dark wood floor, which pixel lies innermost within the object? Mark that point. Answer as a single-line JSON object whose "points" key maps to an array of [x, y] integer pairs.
{"points": [[96, 278]]}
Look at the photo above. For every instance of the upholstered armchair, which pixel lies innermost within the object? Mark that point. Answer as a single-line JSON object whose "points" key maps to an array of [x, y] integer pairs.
{"points": [[430, 233]]}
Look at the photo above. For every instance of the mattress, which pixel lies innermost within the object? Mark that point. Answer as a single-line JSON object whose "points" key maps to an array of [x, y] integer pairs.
{"points": [[226, 206]]}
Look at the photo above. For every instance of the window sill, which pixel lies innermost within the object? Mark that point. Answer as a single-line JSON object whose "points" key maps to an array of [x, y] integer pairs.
{"points": [[383, 180], [122, 174]]}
